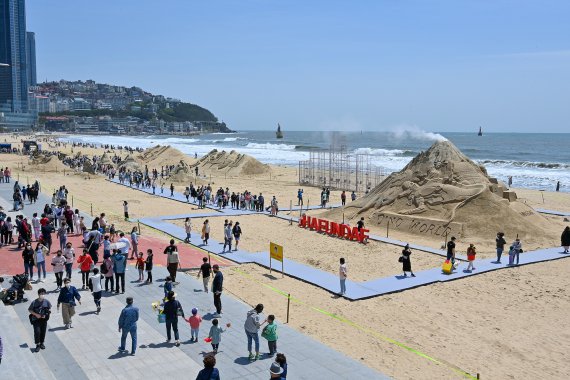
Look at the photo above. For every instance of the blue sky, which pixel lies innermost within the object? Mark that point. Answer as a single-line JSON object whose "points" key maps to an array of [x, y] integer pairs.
{"points": [[436, 65]]}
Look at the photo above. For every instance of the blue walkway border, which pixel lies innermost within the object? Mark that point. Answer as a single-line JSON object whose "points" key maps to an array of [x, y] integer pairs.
{"points": [[325, 280]]}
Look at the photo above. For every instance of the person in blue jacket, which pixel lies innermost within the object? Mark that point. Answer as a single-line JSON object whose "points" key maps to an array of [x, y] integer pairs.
{"points": [[67, 296], [128, 325], [209, 372]]}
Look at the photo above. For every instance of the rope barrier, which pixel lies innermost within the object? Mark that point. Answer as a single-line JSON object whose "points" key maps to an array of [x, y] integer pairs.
{"points": [[366, 330]]}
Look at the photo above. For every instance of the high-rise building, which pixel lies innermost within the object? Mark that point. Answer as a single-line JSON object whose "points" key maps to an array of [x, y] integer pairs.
{"points": [[31, 58], [14, 104]]}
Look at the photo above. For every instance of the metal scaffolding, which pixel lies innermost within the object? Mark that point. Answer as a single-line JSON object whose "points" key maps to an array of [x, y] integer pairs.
{"points": [[336, 168]]}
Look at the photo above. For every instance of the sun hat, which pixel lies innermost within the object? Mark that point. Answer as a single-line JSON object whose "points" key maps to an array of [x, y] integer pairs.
{"points": [[275, 369]]}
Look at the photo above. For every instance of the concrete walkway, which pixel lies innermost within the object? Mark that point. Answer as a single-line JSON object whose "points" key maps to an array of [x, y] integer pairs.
{"points": [[552, 212], [89, 350]]}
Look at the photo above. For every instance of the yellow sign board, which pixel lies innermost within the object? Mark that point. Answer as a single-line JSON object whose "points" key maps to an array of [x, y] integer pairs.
{"points": [[276, 251]]}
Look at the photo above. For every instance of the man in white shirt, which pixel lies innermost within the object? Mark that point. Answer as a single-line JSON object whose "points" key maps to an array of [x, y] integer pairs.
{"points": [[343, 274], [124, 244]]}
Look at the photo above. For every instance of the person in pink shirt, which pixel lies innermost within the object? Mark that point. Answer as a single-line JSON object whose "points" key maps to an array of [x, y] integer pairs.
{"points": [[194, 322]]}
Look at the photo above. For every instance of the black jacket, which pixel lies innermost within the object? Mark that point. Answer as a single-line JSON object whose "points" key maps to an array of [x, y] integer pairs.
{"points": [[217, 284]]}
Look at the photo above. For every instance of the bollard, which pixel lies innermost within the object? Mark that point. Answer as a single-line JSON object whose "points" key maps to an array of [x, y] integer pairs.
{"points": [[288, 305], [478, 376]]}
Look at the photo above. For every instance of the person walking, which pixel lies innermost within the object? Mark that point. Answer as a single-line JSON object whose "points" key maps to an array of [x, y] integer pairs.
{"points": [[134, 244], [28, 257], [172, 309], [228, 237], [172, 260], [194, 322], [62, 236], [342, 274], [205, 271], [40, 310], [109, 273], [67, 297], [40, 260], [209, 372], [252, 325], [69, 254], [205, 232], [565, 239], [215, 335], [406, 261], [148, 265], [517, 247], [119, 266], [188, 230], [500, 243], [471, 252], [217, 288], [85, 261], [58, 264], [237, 234], [128, 325], [126, 210], [96, 288]]}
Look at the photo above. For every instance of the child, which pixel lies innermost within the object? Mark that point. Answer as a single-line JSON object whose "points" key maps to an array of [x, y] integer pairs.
{"points": [[167, 286], [216, 334], [471, 256], [62, 235], [270, 333], [140, 266], [112, 233], [148, 263], [194, 322], [282, 360]]}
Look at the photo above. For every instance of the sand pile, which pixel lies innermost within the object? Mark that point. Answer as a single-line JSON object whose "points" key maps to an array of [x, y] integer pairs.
{"points": [[48, 164], [231, 163], [130, 164], [159, 156], [441, 191], [105, 160]]}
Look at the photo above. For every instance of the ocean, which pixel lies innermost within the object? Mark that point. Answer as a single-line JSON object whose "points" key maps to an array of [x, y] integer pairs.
{"points": [[534, 160]]}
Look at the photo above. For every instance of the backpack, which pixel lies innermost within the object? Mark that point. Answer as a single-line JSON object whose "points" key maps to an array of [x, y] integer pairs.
{"points": [[104, 269]]}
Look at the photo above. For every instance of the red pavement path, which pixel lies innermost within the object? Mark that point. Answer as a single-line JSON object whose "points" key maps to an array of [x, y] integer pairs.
{"points": [[190, 256]]}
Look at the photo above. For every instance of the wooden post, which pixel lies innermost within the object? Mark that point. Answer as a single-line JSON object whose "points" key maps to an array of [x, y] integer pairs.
{"points": [[288, 305], [290, 207], [91, 209], [269, 262], [72, 201], [388, 228], [478, 376], [139, 224]]}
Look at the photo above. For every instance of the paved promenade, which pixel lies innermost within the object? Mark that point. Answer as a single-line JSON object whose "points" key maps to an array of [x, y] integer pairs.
{"points": [[89, 349]]}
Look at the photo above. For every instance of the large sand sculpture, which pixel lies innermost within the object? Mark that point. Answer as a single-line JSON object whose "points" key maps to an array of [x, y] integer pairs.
{"points": [[162, 155], [441, 192], [230, 163]]}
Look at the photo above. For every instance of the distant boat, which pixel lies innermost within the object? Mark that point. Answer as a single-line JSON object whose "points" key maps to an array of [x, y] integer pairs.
{"points": [[279, 134], [480, 132]]}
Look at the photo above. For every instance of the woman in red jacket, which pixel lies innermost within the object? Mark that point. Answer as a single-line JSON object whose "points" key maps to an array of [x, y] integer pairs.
{"points": [[85, 262]]}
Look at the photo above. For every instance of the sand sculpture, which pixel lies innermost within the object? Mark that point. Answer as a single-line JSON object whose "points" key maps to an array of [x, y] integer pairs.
{"points": [[130, 164], [231, 163], [442, 192]]}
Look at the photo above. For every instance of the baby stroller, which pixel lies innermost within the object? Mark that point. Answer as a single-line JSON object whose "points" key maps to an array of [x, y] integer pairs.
{"points": [[16, 292]]}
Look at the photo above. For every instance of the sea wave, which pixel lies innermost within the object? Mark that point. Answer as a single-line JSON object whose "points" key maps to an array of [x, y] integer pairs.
{"points": [[526, 164], [270, 146], [381, 152]]}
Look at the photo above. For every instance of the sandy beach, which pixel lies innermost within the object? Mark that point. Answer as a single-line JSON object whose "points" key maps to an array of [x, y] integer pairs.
{"points": [[507, 324]]}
